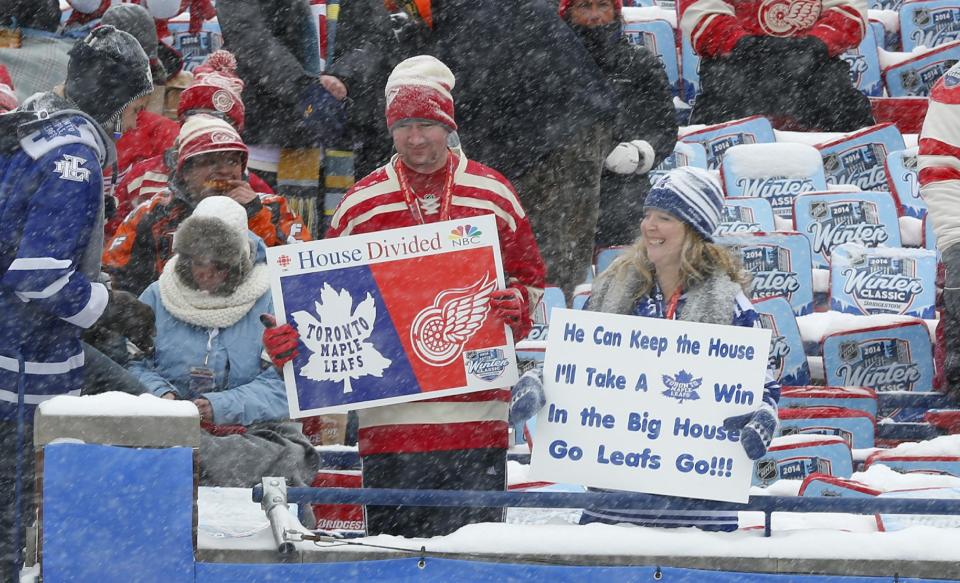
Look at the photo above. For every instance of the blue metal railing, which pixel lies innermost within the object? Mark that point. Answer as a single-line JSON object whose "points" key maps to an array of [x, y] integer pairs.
{"points": [[615, 501]]}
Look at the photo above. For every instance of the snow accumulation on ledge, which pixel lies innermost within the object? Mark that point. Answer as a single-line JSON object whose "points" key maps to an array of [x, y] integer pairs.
{"points": [[115, 404]]}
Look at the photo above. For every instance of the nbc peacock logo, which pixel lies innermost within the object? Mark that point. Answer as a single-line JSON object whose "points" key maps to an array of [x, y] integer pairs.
{"points": [[465, 235]]}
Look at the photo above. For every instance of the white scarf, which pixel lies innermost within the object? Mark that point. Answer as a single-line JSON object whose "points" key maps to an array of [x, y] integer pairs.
{"points": [[206, 310]]}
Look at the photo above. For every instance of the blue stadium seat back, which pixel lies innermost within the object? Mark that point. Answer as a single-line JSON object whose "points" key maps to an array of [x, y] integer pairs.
{"points": [[745, 215], [930, 23], [684, 154], [858, 158], [775, 172], [915, 77], [658, 37], [606, 256], [881, 280], [717, 139], [902, 172], [781, 266], [864, 62], [895, 357], [829, 219], [787, 360]]}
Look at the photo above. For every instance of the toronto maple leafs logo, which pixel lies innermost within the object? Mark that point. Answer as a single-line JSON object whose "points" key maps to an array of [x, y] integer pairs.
{"points": [[339, 339], [439, 331], [682, 386]]}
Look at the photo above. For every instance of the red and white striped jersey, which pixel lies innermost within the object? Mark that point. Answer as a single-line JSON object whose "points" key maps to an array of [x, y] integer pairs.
{"points": [[473, 420], [714, 27], [939, 158]]}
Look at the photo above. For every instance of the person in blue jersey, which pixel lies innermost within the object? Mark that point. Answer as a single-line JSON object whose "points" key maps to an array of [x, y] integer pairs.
{"points": [[674, 270], [53, 149]]}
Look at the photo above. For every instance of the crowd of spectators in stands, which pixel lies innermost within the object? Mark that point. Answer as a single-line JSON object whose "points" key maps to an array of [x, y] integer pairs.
{"points": [[540, 113]]}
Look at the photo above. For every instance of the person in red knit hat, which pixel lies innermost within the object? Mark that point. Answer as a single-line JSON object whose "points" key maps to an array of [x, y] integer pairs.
{"points": [[211, 160], [8, 98], [455, 442], [215, 91]]}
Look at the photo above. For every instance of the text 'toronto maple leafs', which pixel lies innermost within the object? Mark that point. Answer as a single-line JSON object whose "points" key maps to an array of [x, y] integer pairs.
{"points": [[338, 339]]}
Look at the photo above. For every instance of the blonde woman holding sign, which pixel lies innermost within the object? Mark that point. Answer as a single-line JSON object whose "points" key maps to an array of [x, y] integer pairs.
{"points": [[674, 270]]}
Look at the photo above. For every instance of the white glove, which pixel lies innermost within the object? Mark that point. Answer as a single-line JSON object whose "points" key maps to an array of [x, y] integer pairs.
{"points": [[163, 9], [84, 6], [634, 157]]}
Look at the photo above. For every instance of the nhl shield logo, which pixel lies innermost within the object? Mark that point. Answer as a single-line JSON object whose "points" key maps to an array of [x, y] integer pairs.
{"points": [[766, 470]]}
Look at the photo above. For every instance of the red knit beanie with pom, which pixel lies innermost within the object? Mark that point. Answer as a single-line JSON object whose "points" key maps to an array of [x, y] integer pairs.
{"points": [[216, 87]]}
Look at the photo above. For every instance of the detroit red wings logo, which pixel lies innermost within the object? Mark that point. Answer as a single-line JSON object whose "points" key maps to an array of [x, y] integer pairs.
{"points": [[439, 331], [787, 17]]}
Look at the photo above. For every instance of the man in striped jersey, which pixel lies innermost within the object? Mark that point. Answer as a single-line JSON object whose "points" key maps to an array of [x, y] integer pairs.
{"points": [[939, 165], [778, 58], [449, 443]]}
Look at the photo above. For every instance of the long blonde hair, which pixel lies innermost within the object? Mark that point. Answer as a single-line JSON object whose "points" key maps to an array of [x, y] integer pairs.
{"points": [[699, 259]]}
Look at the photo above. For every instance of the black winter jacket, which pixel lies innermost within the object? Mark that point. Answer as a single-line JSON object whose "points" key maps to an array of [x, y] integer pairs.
{"points": [[270, 40], [645, 111], [525, 85], [365, 51]]}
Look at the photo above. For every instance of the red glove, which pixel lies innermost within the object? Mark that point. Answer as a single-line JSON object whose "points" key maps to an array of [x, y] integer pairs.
{"points": [[280, 341], [509, 305]]}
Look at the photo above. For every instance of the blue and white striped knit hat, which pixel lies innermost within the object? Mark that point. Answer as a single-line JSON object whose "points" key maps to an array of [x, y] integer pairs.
{"points": [[692, 195]]}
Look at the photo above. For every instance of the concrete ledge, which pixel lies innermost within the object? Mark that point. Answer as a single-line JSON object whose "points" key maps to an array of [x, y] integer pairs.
{"points": [[136, 431], [861, 568]]}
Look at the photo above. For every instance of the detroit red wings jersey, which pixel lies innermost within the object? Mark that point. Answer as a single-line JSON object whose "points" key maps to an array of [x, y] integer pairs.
{"points": [[939, 158], [472, 420], [714, 27]]}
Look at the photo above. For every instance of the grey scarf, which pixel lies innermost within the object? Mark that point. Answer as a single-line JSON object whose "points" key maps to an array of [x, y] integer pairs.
{"points": [[615, 291]]}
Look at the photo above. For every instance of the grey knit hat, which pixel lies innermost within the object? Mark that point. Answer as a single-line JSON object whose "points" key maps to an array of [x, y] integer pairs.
{"points": [[107, 71], [136, 20]]}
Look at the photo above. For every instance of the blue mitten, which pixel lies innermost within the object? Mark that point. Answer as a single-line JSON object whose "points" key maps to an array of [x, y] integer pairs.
{"points": [[527, 397], [756, 430], [322, 118]]}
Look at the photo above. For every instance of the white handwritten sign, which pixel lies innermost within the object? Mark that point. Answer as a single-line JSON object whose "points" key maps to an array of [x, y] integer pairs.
{"points": [[638, 404]]}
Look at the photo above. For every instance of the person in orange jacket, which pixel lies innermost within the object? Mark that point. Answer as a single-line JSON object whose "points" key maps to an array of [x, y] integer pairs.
{"points": [[211, 160]]}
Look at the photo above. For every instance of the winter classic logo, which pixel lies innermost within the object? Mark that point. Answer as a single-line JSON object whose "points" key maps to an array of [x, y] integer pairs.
{"points": [[682, 386], [919, 82], [721, 144], [779, 348], [338, 339], [785, 18], [737, 219], [882, 284], [487, 364], [858, 65], [769, 470], [935, 27], [439, 331], [772, 271], [884, 364], [860, 165], [779, 191], [846, 221]]}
